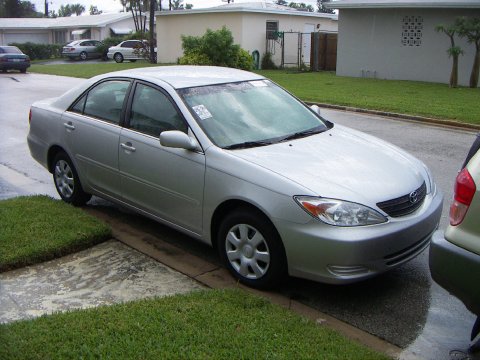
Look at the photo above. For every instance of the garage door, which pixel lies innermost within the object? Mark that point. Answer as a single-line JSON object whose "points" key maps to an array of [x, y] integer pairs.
{"points": [[25, 37]]}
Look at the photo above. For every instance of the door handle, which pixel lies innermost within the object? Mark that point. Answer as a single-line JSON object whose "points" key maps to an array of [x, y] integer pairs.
{"points": [[69, 125], [128, 147]]}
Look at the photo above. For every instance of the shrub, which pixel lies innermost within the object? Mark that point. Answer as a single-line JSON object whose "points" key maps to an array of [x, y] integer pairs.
{"points": [[244, 60], [194, 59], [267, 62], [107, 43], [40, 51], [217, 47]]}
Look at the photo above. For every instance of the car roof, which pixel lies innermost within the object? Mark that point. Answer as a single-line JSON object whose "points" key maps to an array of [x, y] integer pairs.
{"points": [[189, 76]]}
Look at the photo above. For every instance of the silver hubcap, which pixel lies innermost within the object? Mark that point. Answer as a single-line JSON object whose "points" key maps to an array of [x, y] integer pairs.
{"points": [[64, 179], [247, 251]]}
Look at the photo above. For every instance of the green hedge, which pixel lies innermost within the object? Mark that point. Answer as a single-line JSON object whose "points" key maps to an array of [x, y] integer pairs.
{"points": [[40, 51]]}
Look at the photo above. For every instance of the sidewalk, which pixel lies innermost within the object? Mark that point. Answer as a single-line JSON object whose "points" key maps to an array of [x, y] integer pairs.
{"points": [[105, 274]]}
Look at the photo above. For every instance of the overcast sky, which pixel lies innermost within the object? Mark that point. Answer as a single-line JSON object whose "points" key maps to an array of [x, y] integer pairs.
{"points": [[114, 5]]}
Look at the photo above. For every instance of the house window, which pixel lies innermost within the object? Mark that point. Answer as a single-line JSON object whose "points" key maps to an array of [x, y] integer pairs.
{"points": [[59, 37], [412, 28], [272, 30]]}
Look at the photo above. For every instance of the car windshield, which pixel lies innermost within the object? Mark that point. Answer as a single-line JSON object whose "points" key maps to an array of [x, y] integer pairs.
{"points": [[249, 114]]}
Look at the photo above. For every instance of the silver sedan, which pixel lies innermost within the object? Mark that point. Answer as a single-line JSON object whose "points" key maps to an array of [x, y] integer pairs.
{"points": [[235, 161]]}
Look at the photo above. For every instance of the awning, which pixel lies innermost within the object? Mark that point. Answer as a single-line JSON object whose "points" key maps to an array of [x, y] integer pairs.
{"points": [[79, 32], [121, 31]]}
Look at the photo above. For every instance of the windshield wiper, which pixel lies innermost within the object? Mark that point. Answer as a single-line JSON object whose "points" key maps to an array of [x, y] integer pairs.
{"points": [[305, 133], [247, 144]]}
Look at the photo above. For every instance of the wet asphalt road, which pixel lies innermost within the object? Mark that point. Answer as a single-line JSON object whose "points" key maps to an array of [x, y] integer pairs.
{"points": [[403, 306]]}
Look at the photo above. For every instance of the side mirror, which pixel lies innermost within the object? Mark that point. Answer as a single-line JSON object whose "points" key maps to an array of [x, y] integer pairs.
{"points": [[315, 109], [177, 139]]}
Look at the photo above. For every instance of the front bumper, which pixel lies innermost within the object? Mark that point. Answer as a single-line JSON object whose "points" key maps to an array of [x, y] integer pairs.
{"points": [[457, 270], [342, 255]]}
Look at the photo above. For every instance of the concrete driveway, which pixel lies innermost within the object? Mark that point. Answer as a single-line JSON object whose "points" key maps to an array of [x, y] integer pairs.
{"points": [[402, 306]]}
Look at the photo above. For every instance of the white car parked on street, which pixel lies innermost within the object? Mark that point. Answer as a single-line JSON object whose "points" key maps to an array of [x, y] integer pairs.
{"points": [[132, 50]]}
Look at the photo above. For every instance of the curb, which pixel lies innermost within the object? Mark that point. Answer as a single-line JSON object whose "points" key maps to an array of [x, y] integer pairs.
{"points": [[423, 119], [216, 277]]}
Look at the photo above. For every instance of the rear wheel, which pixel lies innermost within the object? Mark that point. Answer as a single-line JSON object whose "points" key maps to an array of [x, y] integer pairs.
{"points": [[23, 71], [67, 182], [118, 57], [83, 56], [251, 248]]}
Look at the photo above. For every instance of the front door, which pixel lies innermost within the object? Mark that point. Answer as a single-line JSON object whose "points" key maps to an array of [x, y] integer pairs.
{"points": [[165, 182]]}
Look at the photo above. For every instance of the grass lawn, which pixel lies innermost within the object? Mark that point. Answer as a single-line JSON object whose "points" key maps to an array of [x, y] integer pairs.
{"points": [[38, 228], [212, 324], [405, 97]]}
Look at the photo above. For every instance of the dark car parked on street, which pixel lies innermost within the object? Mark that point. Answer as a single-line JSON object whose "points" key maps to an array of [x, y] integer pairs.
{"points": [[12, 57]]}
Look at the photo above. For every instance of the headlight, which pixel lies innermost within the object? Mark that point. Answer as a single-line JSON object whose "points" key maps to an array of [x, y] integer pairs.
{"points": [[339, 212], [431, 188]]}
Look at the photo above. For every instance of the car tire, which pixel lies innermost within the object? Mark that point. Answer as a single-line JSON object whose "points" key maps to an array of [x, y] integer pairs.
{"points": [[251, 249], [83, 56], [23, 71], [67, 182], [118, 58]]}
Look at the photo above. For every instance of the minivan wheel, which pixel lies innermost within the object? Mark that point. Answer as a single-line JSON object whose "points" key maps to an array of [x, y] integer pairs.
{"points": [[118, 57], [67, 182], [83, 56], [251, 248]]}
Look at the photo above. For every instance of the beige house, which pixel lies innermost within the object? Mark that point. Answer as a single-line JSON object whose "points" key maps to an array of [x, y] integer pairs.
{"points": [[396, 39], [62, 30], [249, 24]]}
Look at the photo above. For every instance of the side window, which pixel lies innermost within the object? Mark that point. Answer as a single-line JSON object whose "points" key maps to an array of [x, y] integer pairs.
{"points": [[104, 101], [152, 112]]}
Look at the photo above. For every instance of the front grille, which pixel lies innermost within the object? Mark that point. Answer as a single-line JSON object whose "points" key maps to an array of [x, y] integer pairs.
{"points": [[405, 204]]}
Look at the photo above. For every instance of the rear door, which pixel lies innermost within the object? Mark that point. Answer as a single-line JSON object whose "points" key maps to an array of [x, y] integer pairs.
{"points": [[92, 127]]}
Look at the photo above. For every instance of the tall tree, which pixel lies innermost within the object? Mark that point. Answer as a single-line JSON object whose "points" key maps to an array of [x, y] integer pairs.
{"points": [[153, 58], [322, 9], [470, 28], [177, 5], [453, 51], [77, 9], [301, 6], [94, 10], [281, 2], [18, 9]]}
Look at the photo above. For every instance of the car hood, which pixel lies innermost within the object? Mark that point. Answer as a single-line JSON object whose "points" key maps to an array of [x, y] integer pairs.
{"points": [[342, 163]]}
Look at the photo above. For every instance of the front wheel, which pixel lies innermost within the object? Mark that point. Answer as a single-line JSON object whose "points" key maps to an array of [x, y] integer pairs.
{"points": [[67, 182], [251, 249], [118, 57]]}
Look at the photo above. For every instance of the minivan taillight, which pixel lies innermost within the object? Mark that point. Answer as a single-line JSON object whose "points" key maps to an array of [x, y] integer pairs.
{"points": [[462, 198], [30, 116]]}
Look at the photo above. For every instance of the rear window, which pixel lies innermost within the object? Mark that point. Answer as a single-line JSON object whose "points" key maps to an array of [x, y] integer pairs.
{"points": [[10, 50]]}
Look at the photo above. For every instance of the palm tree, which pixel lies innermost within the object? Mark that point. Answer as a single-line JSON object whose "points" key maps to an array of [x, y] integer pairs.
{"points": [[470, 28], [77, 9], [454, 51]]}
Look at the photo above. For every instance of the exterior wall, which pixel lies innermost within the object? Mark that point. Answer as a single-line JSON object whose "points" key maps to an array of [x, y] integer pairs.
{"points": [[170, 29], [370, 45], [21, 36], [248, 29]]}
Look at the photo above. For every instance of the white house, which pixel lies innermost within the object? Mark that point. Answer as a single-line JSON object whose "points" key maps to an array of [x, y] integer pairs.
{"points": [[249, 24], [64, 29], [396, 39]]}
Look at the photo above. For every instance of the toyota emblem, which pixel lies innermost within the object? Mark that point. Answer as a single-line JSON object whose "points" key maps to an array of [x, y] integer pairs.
{"points": [[413, 197]]}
